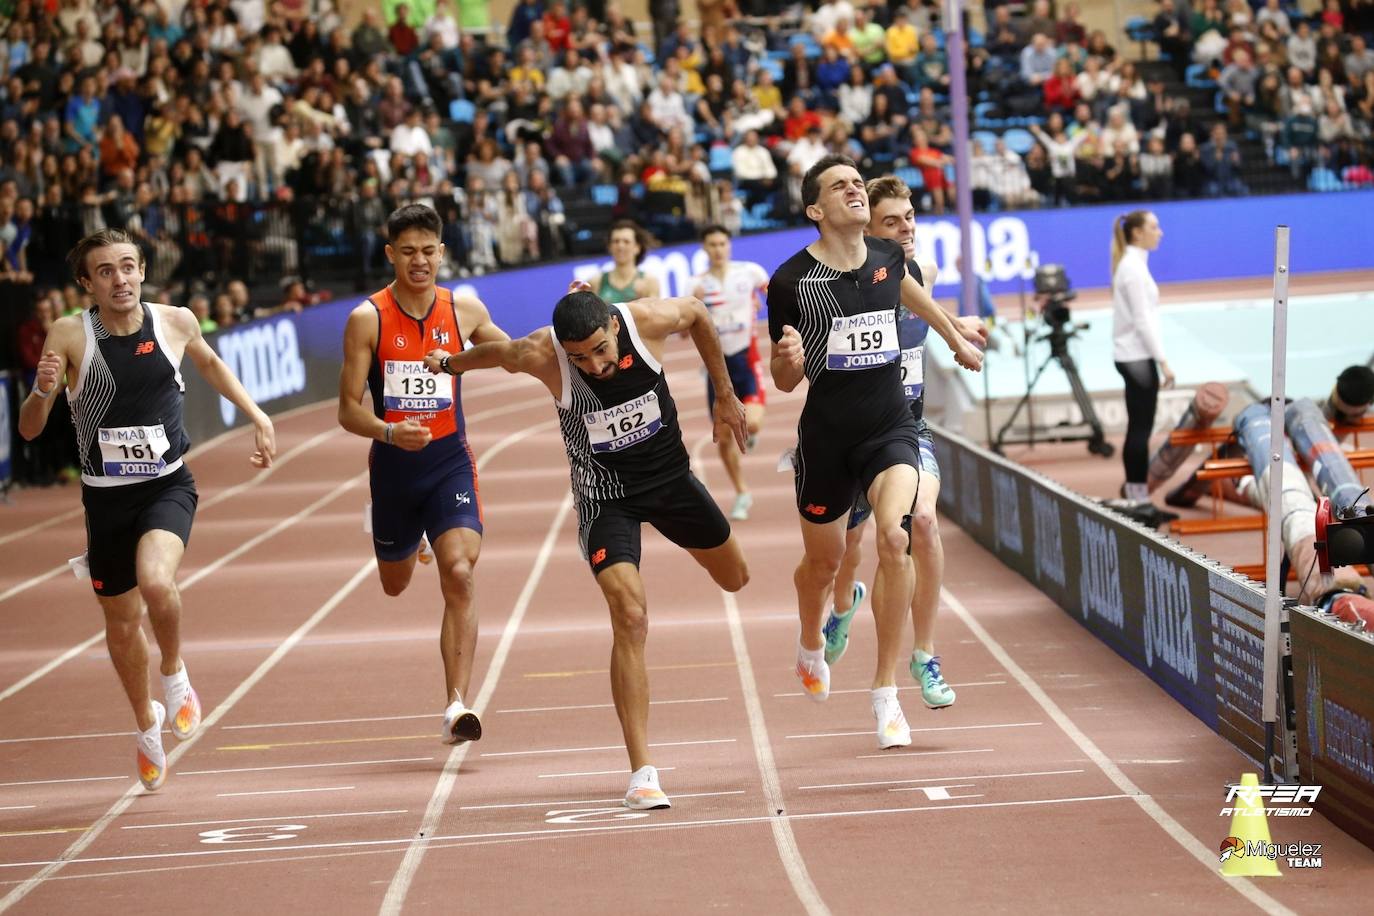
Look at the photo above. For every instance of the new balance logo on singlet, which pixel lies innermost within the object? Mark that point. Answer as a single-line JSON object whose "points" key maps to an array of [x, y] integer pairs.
{"points": [[880, 275], [627, 360], [145, 348]]}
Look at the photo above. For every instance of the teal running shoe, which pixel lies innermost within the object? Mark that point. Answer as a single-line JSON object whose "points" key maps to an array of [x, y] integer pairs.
{"points": [[837, 626], [935, 693]]}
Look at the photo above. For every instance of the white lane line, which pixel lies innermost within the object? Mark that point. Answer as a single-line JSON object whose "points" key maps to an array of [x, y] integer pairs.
{"points": [[938, 728], [938, 779], [39, 526], [52, 782], [620, 772], [888, 755], [304, 766], [788, 850], [607, 747], [612, 705], [637, 825], [248, 820], [16, 807], [123, 734], [797, 693], [415, 851], [219, 712], [284, 791], [423, 715], [1203, 852], [76, 650], [593, 801]]}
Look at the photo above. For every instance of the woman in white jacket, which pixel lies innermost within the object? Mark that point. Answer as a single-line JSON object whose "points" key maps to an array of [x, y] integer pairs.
{"points": [[1136, 345]]}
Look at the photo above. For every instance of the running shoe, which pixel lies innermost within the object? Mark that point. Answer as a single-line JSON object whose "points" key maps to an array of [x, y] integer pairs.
{"points": [[644, 793], [837, 626], [425, 553], [461, 724], [740, 511], [815, 678], [892, 728], [183, 703], [935, 693], [152, 759]]}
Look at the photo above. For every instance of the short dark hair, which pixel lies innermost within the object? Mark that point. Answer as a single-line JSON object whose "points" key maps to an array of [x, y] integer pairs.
{"points": [[413, 216], [714, 229], [642, 237], [811, 181], [1355, 386], [579, 315], [76, 258], [888, 187]]}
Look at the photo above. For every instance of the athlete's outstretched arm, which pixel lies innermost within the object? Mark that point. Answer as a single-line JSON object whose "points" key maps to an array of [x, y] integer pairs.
{"points": [[52, 366], [511, 355], [658, 318], [214, 371], [917, 300], [484, 330]]}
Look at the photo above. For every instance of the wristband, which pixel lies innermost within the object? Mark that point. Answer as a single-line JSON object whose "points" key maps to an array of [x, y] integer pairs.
{"points": [[443, 365], [41, 395], [386, 436]]}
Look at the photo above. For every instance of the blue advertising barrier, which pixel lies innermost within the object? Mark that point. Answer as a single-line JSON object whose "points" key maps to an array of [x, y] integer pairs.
{"points": [[294, 359]]}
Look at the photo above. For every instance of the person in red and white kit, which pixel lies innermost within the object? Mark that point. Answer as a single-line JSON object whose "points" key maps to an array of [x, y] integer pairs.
{"points": [[733, 292]]}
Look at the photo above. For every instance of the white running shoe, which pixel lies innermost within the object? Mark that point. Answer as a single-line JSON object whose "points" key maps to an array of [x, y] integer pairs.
{"points": [[743, 502], [152, 760], [183, 704], [461, 724], [644, 793], [425, 553], [892, 728], [815, 677]]}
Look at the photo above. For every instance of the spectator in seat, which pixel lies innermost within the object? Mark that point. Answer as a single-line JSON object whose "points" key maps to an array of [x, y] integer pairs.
{"points": [[1237, 83], [1061, 89], [1157, 170], [756, 175], [1221, 164]]}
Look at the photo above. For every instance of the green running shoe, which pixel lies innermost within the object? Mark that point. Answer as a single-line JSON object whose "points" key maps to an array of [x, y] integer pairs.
{"points": [[935, 693], [837, 626]]}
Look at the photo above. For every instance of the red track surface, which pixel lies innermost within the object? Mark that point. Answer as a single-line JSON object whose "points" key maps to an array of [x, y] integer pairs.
{"points": [[1062, 780]]}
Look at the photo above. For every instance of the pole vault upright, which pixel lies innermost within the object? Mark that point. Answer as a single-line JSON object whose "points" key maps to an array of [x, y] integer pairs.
{"points": [[963, 189]]}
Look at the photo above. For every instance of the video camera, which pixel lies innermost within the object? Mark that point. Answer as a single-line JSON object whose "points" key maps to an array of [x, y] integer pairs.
{"points": [[1052, 286], [1345, 537]]}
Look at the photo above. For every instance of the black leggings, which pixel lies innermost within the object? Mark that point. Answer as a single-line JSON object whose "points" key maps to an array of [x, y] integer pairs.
{"points": [[1142, 393]]}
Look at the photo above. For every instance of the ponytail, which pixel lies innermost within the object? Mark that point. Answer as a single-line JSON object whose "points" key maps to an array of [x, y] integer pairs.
{"points": [[1123, 231]]}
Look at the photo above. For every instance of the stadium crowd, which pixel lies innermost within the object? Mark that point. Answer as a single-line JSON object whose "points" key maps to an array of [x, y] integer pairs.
{"points": [[240, 138]]}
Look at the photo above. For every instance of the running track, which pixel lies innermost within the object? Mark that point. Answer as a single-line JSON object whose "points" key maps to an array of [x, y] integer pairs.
{"points": [[1062, 779]]}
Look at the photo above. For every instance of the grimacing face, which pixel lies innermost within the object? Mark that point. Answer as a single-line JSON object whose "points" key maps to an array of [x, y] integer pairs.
{"points": [[598, 355], [416, 254], [114, 277], [895, 218]]}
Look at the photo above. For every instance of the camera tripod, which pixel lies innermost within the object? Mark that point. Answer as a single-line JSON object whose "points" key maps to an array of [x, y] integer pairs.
{"points": [[1058, 337]]}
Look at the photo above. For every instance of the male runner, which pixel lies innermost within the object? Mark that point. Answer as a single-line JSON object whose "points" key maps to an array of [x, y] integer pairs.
{"points": [[892, 217], [420, 469], [832, 316], [603, 365], [628, 245], [122, 362], [733, 292]]}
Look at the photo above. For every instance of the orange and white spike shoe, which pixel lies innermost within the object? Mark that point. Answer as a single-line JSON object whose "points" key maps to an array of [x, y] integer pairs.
{"points": [[814, 675], [183, 704], [644, 793], [152, 760]]}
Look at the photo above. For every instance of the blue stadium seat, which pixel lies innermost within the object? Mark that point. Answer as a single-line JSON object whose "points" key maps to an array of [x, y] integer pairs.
{"points": [[1140, 29], [808, 41], [986, 139], [1196, 77], [720, 159], [462, 110], [605, 195], [1019, 140], [911, 176], [1323, 179], [774, 67]]}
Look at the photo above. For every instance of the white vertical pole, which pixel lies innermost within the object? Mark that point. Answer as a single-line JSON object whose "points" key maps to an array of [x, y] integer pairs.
{"points": [[1273, 587]]}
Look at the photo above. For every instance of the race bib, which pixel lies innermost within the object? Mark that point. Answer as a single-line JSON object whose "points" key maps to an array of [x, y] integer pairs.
{"points": [[409, 387], [862, 341], [132, 451], [624, 425], [913, 372]]}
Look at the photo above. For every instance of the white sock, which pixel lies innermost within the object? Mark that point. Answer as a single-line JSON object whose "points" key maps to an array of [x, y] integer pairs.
{"points": [[175, 686], [810, 657], [884, 693], [1137, 491], [644, 776], [457, 701]]}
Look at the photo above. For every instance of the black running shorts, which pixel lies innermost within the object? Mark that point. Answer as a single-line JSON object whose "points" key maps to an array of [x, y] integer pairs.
{"points": [[681, 510], [118, 517], [828, 475]]}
